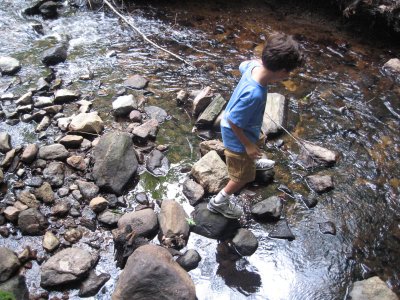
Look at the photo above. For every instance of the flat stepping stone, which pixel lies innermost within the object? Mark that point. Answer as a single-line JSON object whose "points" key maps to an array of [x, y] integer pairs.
{"points": [[282, 231]]}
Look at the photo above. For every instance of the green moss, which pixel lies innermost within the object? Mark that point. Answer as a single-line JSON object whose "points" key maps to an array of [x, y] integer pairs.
{"points": [[6, 296]]}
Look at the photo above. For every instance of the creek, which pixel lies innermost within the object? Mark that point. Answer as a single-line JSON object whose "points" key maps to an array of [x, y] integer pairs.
{"points": [[340, 99]]}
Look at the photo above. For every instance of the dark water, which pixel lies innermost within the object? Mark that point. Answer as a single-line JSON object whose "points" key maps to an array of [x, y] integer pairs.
{"points": [[341, 99]]}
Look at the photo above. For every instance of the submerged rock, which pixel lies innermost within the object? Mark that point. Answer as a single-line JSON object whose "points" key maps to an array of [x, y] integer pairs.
{"points": [[157, 163], [66, 266], [156, 113], [211, 172], [372, 289], [115, 162], [55, 55], [245, 242], [152, 274], [282, 231]]}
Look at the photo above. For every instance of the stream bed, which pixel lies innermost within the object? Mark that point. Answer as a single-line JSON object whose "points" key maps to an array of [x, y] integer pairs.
{"points": [[341, 99]]}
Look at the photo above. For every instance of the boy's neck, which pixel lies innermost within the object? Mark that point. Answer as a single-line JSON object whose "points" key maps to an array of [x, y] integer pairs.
{"points": [[265, 76]]}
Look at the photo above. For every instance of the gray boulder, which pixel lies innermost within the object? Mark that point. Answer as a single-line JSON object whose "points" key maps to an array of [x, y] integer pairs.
{"points": [[312, 155], [190, 260], [245, 242], [275, 114], [109, 218], [32, 222], [212, 111], [9, 263], [174, 228], [193, 191], [157, 113], [371, 289], [136, 82], [282, 231], [9, 65], [211, 172], [202, 100], [5, 142], [269, 209], [143, 222], [123, 105], [54, 151], [152, 274], [64, 95], [54, 174], [67, 266], [89, 190], [146, 130], [55, 55], [115, 162]]}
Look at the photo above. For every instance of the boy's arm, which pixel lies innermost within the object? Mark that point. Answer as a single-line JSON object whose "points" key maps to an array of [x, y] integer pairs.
{"points": [[252, 149]]}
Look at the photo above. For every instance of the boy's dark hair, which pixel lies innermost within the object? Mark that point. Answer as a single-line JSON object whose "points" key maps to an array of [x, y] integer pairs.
{"points": [[281, 52]]}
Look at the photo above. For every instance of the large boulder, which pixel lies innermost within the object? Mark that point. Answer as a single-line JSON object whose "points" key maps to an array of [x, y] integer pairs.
{"points": [[9, 65], [152, 274], [86, 123], [275, 114], [212, 111], [9, 263], [67, 266], [143, 222], [115, 161], [174, 228], [371, 289], [211, 172]]}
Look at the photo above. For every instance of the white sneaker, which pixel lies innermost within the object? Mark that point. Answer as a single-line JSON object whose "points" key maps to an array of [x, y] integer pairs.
{"points": [[227, 209], [264, 164]]}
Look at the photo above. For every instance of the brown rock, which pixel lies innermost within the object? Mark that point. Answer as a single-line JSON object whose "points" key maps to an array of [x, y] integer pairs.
{"points": [[29, 153], [77, 162]]}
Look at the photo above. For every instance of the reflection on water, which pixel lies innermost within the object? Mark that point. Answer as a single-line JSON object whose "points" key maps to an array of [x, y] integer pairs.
{"points": [[341, 100]]}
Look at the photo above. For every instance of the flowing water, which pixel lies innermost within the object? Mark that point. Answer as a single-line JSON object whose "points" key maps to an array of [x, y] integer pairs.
{"points": [[341, 99]]}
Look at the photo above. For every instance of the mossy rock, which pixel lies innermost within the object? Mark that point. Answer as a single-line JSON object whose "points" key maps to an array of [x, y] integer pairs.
{"points": [[6, 296]]}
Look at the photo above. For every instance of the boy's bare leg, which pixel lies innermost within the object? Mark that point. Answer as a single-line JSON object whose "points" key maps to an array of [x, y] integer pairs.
{"points": [[233, 186]]}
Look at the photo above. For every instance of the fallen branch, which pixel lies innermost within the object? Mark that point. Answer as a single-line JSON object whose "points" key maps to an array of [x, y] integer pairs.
{"points": [[143, 35]]}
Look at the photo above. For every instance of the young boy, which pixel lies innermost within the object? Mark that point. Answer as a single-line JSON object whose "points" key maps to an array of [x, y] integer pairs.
{"points": [[243, 116]]}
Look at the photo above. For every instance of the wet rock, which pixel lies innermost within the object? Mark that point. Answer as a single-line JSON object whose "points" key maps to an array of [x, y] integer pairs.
{"points": [[143, 222], [73, 235], [265, 177], [245, 242], [64, 95], [157, 163], [136, 82], [9, 263], [8, 159], [45, 193], [63, 123], [285, 189], [123, 105], [89, 190], [115, 162], [54, 174], [1, 176], [28, 199], [11, 213], [275, 114], [24, 108], [142, 198], [71, 141], [327, 228], [151, 273], [86, 145], [32, 222], [66, 266], [29, 153], [62, 192], [109, 218], [43, 124], [190, 260], [24, 99], [98, 204], [392, 64], [212, 111], [201, 101], [211, 172], [216, 145], [313, 155], [282, 231], [4, 232], [372, 288], [9, 65], [135, 116], [49, 9], [43, 101], [309, 201], [147, 130], [269, 209], [50, 242], [61, 209], [20, 206], [320, 183], [53, 110], [77, 162], [174, 228], [211, 225], [52, 152], [17, 287], [55, 55], [42, 85], [86, 123], [182, 97], [193, 191], [5, 142], [93, 283], [157, 113]]}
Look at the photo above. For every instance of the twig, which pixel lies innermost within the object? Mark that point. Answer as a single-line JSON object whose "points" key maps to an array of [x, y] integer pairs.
{"points": [[143, 35]]}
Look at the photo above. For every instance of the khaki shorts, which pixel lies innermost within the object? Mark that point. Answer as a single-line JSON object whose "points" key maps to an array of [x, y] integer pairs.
{"points": [[241, 168]]}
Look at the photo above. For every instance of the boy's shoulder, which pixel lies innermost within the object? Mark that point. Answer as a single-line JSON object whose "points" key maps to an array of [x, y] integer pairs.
{"points": [[247, 64]]}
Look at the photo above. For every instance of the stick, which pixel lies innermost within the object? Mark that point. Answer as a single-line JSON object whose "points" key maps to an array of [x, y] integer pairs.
{"points": [[144, 36]]}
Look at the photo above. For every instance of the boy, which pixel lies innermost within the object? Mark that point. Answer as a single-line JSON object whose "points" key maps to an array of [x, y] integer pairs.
{"points": [[243, 116]]}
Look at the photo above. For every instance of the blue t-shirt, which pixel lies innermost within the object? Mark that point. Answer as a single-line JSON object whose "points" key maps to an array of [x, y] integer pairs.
{"points": [[245, 109]]}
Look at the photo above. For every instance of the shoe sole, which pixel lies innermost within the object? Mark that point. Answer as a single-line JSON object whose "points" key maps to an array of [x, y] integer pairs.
{"points": [[213, 210]]}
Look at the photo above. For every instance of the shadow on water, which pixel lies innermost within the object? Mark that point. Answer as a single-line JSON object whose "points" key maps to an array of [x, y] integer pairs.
{"points": [[341, 99]]}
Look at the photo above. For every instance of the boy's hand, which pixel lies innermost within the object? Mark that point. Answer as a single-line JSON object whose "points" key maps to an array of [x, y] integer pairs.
{"points": [[253, 151]]}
